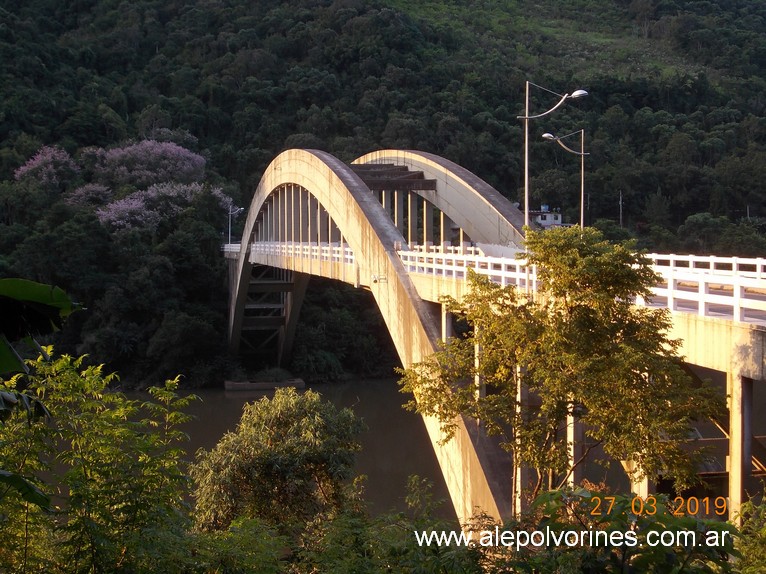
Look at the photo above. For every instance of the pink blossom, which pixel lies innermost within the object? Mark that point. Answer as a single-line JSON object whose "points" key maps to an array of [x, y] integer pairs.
{"points": [[49, 166], [148, 162], [89, 194], [160, 202], [129, 212]]}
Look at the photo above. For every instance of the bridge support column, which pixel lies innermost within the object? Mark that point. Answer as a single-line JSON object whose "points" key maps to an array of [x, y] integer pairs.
{"points": [[576, 448], [522, 474], [311, 227], [445, 224], [640, 487], [267, 222], [385, 200], [740, 391], [412, 218], [323, 234], [292, 309], [289, 214], [446, 324], [280, 204], [428, 222], [399, 210]]}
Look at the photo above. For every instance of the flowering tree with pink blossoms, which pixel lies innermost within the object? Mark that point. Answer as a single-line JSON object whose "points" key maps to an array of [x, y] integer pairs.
{"points": [[160, 202], [146, 163], [135, 232], [90, 194], [51, 167]]}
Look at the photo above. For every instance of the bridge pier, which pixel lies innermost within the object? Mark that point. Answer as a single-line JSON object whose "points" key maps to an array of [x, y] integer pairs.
{"points": [[412, 218], [740, 392], [292, 309], [447, 330], [428, 222], [576, 447], [739, 351]]}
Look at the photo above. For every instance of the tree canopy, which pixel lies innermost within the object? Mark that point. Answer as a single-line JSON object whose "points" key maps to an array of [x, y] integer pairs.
{"points": [[583, 351], [121, 125], [285, 462]]}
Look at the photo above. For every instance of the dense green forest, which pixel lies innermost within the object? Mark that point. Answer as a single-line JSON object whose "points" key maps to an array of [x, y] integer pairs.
{"points": [[128, 129]]}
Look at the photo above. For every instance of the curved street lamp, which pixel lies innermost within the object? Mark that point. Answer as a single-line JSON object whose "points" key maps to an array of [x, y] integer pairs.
{"points": [[526, 117], [519, 471], [582, 154], [233, 211]]}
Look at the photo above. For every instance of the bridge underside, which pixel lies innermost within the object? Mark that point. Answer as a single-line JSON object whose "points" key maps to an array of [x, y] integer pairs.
{"points": [[737, 350]]}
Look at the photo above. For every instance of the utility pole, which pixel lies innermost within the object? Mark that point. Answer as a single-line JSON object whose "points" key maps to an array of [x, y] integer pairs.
{"points": [[620, 208]]}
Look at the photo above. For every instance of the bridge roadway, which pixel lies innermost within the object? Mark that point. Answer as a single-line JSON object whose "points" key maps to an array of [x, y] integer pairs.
{"points": [[315, 216]]}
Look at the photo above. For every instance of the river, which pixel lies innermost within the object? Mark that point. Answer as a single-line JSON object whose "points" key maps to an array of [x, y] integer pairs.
{"points": [[394, 446]]}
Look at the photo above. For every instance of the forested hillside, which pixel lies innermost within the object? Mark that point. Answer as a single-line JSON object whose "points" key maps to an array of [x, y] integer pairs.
{"points": [[98, 97]]}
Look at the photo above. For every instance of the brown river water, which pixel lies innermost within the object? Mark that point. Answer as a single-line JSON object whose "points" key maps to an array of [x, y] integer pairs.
{"points": [[394, 446]]}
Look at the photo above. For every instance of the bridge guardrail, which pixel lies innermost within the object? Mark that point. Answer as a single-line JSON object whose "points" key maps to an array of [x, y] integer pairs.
{"points": [[729, 287], [725, 287], [322, 252]]}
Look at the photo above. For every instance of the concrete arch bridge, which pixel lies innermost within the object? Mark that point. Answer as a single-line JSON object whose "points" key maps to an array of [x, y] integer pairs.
{"points": [[406, 225]]}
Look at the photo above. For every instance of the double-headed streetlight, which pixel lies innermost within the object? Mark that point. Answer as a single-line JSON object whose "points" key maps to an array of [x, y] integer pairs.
{"points": [[519, 471], [526, 117], [582, 154], [232, 212]]}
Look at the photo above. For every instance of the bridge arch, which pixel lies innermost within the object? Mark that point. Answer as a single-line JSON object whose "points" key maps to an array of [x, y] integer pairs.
{"points": [[469, 201], [373, 237], [366, 228]]}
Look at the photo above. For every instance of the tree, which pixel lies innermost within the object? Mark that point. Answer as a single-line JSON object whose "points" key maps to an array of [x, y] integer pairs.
{"points": [[285, 463], [149, 162], [704, 233], [752, 544], [115, 467], [50, 167], [27, 309], [583, 350]]}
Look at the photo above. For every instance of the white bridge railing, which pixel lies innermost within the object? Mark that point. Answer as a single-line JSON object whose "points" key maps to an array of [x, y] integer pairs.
{"points": [[725, 287], [321, 252]]}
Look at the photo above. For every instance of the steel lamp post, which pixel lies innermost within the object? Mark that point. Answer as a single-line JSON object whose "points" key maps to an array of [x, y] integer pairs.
{"points": [[519, 472], [232, 212], [582, 154], [526, 117]]}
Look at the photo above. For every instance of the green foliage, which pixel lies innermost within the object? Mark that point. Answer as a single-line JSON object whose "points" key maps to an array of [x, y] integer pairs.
{"points": [[28, 310], [121, 491], [285, 463], [582, 350], [674, 125], [249, 545], [116, 467], [704, 233], [675, 89], [353, 542], [155, 294], [752, 543]]}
